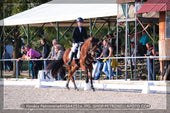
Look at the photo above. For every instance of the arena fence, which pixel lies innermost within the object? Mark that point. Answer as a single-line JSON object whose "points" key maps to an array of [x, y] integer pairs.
{"points": [[126, 69]]}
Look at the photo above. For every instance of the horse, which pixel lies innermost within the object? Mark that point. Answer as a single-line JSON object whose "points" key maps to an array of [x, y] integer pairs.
{"points": [[85, 62]]}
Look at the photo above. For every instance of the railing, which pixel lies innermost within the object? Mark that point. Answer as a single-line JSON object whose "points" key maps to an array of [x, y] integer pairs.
{"points": [[124, 64]]}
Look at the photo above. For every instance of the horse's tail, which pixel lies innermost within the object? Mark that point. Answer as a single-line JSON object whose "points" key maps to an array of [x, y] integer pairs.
{"points": [[55, 67]]}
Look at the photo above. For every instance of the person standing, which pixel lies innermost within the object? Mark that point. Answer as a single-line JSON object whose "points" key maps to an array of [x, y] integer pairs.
{"points": [[106, 53], [46, 48], [150, 61], [79, 35], [144, 40], [23, 56], [45, 51], [6, 63]]}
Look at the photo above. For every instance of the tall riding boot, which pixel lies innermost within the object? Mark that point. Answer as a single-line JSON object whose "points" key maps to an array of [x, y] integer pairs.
{"points": [[75, 54], [72, 55]]}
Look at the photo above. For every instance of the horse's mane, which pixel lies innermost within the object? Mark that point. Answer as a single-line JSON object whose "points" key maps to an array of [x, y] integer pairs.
{"points": [[91, 40]]}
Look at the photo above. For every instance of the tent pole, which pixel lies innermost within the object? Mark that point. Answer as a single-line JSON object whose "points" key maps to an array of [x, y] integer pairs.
{"points": [[117, 47], [1, 32], [154, 50], [117, 41], [126, 46], [90, 21], [28, 42], [66, 31], [135, 44], [108, 27], [57, 25], [129, 46], [99, 29], [38, 31], [94, 24]]}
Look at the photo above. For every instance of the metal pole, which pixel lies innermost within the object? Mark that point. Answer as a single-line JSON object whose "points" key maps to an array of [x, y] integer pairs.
{"points": [[99, 29], [148, 66], [28, 42], [75, 75], [45, 65], [135, 43], [117, 47], [17, 70], [117, 41], [94, 25], [108, 26], [57, 31], [80, 74], [126, 46], [154, 51], [66, 31], [130, 51], [1, 50], [90, 21]]}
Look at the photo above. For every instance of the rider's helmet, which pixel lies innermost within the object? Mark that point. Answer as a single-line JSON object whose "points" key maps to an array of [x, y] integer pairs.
{"points": [[79, 20]]}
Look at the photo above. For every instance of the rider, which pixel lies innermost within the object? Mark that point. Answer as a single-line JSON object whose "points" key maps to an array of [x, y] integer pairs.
{"points": [[79, 35]]}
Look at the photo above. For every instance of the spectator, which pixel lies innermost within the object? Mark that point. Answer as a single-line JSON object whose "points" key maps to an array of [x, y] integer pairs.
{"points": [[53, 53], [150, 52], [106, 52], [7, 64], [45, 50], [24, 53], [51, 66], [144, 40], [97, 61], [34, 65], [23, 56]]}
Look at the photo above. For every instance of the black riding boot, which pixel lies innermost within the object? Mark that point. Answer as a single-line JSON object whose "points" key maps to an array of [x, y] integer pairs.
{"points": [[72, 55]]}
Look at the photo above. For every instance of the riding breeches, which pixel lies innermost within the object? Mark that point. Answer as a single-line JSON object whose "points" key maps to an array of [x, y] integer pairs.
{"points": [[74, 47]]}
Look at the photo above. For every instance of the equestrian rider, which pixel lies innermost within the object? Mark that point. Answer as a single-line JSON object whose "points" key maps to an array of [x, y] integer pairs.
{"points": [[79, 35]]}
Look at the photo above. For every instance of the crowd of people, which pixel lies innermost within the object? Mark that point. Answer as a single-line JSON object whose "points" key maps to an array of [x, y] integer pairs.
{"points": [[102, 53]]}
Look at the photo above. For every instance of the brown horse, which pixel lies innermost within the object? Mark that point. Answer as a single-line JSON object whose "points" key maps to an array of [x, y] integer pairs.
{"points": [[86, 59]]}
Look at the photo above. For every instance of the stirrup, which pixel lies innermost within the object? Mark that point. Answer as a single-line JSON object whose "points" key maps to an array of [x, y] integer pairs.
{"points": [[69, 62]]}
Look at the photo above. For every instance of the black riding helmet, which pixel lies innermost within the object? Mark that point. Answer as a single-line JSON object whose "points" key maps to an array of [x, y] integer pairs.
{"points": [[79, 20]]}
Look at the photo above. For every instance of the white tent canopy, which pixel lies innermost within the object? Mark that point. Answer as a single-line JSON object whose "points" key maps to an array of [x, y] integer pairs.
{"points": [[53, 12]]}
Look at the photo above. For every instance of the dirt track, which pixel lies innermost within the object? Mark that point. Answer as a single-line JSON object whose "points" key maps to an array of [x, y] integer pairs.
{"points": [[14, 96]]}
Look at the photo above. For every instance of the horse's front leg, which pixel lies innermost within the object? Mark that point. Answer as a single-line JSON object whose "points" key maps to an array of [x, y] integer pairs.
{"points": [[67, 84], [90, 75], [87, 77]]}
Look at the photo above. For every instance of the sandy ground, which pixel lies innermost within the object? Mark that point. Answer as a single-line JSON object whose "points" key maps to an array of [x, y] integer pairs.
{"points": [[14, 96]]}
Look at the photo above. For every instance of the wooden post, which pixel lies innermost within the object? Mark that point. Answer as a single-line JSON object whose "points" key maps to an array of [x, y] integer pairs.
{"points": [[162, 31]]}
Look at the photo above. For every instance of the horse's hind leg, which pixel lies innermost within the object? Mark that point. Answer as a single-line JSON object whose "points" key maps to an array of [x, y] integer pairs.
{"points": [[71, 77], [68, 79]]}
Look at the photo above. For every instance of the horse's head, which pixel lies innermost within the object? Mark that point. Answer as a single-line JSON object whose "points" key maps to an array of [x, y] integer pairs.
{"points": [[93, 45]]}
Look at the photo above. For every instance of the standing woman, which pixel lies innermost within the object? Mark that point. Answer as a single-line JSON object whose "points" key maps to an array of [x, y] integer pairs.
{"points": [[150, 52], [106, 53]]}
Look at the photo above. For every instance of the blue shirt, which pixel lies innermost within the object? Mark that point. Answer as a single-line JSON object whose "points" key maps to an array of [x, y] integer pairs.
{"points": [[144, 39]]}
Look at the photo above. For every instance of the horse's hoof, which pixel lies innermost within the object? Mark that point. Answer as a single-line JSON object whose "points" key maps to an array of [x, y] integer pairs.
{"points": [[67, 87], [76, 89], [93, 89]]}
